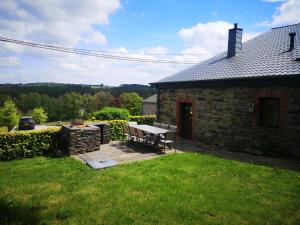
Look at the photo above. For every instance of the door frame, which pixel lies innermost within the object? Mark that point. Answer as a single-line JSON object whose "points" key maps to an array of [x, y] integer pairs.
{"points": [[180, 101]]}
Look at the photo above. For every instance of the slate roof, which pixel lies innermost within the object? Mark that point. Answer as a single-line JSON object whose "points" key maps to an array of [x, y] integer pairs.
{"points": [[151, 99], [266, 55]]}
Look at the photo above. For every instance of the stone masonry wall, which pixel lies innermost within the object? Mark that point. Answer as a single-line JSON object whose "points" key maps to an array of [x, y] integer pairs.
{"points": [[80, 140], [228, 118]]}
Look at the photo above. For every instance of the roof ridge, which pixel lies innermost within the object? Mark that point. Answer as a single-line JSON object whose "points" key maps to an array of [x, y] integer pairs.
{"points": [[273, 28]]}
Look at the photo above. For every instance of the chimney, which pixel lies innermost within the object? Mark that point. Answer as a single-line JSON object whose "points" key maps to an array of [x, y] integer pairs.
{"points": [[234, 41], [292, 40]]}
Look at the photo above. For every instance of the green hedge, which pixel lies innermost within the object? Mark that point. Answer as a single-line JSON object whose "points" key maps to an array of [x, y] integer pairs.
{"points": [[147, 119], [111, 113], [26, 144], [116, 130]]}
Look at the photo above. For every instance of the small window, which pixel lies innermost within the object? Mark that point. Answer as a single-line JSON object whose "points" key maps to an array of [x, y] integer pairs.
{"points": [[270, 109]]}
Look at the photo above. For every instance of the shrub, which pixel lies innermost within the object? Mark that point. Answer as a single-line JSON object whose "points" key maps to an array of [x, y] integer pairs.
{"points": [[39, 115], [26, 144], [9, 115], [116, 130], [111, 113], [147, 119]]}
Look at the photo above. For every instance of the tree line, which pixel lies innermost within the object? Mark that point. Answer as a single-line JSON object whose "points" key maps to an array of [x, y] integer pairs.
{"points": [[57, 89], [71, 105]]}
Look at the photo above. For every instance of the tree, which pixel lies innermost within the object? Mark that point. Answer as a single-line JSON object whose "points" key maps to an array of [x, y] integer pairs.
{"points": [[27, 102], [9, 115], [39, 115], [102, 99], [73, 105], [133, 102]]}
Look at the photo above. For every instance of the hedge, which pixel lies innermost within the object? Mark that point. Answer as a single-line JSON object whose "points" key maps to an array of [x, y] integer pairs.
{"points": [[111, 113], [26, 144], [116, 130], [147, 119]]}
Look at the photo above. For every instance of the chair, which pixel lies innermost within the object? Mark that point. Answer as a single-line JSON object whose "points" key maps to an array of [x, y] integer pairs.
{"points": [[169, 140], [126, 132], [141, 137], [132, 131], [132, 123]]}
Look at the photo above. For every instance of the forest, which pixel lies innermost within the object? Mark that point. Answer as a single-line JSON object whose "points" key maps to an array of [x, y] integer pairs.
{"points": [[66, 101]]}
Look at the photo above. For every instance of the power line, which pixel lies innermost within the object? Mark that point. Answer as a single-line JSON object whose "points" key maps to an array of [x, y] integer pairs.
{"points": [[93, 53], [137, 53]]}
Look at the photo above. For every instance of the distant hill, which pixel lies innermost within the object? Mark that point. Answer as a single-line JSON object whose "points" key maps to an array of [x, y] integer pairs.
{"points": [[143, 90], [57, 89]]}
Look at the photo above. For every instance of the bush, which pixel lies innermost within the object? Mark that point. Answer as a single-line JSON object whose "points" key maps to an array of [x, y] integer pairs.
{"points": [[26, 144], [9, 115], [148, 119], [39, 115], [116, 130], [111, 113]]}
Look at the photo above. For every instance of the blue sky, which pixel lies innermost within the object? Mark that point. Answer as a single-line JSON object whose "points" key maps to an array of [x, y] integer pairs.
{"points": [[141, 27], [156, 22]]}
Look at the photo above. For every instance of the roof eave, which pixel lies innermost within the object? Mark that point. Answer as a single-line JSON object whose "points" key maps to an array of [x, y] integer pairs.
{"points": [[232, 81]]}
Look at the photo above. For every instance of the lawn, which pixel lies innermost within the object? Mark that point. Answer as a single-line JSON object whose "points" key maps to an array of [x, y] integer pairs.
{"points": [[184, 188]]}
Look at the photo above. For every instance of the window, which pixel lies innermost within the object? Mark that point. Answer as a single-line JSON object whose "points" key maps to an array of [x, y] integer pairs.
{"points": [[269, 112]]}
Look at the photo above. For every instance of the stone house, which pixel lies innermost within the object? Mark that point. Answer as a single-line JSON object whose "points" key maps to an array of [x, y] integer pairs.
{"points": [[245, 99], [149, 105]]}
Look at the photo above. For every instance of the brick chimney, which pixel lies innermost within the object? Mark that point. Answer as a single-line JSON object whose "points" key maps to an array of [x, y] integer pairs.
{"points": [[234, 41]]}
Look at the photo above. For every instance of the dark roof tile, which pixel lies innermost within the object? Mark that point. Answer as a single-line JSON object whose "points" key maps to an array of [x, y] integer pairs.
{"points": [[263, 56]]}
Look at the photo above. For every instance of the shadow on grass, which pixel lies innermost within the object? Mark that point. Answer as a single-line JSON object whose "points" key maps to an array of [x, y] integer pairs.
{"points": [[12, 212]]}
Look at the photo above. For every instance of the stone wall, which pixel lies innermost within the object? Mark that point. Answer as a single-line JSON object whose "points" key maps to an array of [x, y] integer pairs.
{"points": [[78, 140], [228, 118], [104, 132]]}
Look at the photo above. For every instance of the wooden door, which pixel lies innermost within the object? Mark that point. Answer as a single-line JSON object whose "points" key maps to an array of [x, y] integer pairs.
{"points": [[186, 120]]}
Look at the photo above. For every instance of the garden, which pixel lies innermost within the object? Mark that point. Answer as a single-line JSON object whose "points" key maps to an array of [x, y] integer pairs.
{"points": [[40, 186]]}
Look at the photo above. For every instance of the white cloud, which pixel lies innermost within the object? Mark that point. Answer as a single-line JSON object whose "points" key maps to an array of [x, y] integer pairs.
{"points": [[94, 37], [273, 1], [72, 23], [207, 39], [65, 22], [287, 13], [9, 62]]}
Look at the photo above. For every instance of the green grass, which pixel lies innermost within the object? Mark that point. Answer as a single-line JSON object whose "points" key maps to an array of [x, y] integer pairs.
{"points": [[184, 188]]}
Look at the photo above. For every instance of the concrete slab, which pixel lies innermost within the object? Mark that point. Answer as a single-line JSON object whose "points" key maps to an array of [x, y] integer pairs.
{"points": [[101, 164]]}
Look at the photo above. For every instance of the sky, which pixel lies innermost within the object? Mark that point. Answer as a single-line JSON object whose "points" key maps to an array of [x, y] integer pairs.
{"points": [[196, 29]]}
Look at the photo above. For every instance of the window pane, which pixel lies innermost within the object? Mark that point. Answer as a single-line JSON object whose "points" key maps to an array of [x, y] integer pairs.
{"points": [[270, 112]]}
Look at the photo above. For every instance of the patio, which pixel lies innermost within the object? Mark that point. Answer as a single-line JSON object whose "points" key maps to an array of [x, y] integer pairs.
{"points": [[122, 153], [125, 153]]}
